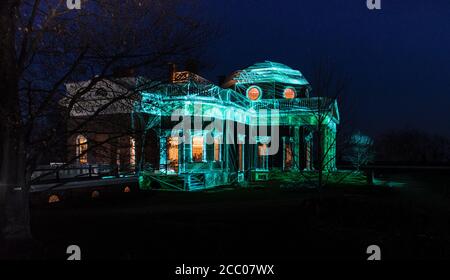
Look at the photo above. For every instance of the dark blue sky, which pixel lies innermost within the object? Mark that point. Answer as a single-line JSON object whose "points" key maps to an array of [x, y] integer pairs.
{"points": [[397, 59]]}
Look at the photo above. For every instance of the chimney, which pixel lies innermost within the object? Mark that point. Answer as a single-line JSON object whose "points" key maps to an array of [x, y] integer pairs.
{"points": [[172, 70]]}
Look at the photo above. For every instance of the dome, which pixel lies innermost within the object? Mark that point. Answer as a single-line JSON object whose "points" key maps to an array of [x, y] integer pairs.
{"points": [[268, 72]]}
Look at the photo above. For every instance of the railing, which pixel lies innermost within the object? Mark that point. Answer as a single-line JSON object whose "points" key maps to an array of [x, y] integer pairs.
{"points": [[170, 97], [57, 173], [312, 103]]}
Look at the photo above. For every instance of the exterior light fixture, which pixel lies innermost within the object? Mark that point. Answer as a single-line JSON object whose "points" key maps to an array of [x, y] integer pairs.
{"points": [[254, 93], [289, 93]]}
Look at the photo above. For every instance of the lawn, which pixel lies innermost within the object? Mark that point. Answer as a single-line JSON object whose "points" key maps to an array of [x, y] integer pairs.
{"points": [[268, 221]]}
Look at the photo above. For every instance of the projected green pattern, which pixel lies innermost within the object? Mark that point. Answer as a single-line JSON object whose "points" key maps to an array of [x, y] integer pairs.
{"points": [[204, 99]]}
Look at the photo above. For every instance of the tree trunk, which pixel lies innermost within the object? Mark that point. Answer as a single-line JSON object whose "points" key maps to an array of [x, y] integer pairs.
{"points": [[14, 187], [320, 156], [14, 195]]}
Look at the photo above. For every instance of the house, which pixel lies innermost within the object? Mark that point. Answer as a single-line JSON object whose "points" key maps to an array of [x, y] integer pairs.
{"points": [[190, 134]]}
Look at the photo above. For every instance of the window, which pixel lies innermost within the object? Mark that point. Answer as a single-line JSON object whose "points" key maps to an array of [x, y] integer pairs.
{"points": [[254, 93], [263, 158], [197, 148], [172, 154], [241, 156], [81, 149], [289, 93], [118, 157], [288, 156], [132, 151], [217, 149]]}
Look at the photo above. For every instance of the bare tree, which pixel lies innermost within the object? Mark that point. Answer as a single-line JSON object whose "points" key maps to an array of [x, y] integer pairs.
{"points": [[43, 45], [361, 150], [328, 87]]}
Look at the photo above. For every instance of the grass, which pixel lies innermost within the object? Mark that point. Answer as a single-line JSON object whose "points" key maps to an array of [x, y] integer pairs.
{"points": [[261, 222], [310, 179]]}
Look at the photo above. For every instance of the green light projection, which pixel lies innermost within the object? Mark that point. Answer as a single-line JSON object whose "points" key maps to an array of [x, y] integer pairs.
{"points": [[273, 79], [198, 97], [269, 72]]}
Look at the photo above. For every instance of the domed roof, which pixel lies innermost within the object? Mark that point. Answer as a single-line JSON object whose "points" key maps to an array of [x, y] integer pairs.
{"points": [[268, 71]]}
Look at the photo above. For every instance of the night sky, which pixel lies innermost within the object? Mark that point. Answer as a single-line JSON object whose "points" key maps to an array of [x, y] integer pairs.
{"points": [[397, 59]]}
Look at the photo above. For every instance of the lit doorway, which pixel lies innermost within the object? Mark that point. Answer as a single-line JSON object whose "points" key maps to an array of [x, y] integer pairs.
{"points": [[172, 154]]}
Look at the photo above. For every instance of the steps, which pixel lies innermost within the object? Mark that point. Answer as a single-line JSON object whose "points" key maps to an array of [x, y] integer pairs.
{"points": [[194, 182], [184, 182]]}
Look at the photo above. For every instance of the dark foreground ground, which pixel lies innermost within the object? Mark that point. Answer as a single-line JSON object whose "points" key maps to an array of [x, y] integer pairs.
{"points": [[407, 215]]}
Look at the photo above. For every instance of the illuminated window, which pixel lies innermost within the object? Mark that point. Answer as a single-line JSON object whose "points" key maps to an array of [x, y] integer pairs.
{"points": [[216, 149], [288, 156], [132, 151], [254, 93], [81, 149], [241, 157], [289, 93], [197, 148], [263, 158], [53, 199], [172, 153]]}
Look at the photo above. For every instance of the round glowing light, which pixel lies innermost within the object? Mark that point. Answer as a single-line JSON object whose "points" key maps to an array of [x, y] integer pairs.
{"points": [[289, 93], [127, 189], [53, 199], [254, 93]]}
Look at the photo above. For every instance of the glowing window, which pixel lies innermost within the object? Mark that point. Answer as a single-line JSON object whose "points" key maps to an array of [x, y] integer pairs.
{"points": [[132, 151], [216, 149], [263, 158], [81, 149], [254, 93], [289, 93], [172, 153], [53, 199], [288, 160], [197, 148]]}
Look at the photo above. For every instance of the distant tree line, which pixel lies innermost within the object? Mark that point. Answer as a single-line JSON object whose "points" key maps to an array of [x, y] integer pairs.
{"points": [[412, 147]]}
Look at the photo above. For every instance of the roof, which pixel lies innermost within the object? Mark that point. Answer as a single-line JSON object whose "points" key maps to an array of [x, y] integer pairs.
{"points": [[269, 71]]}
